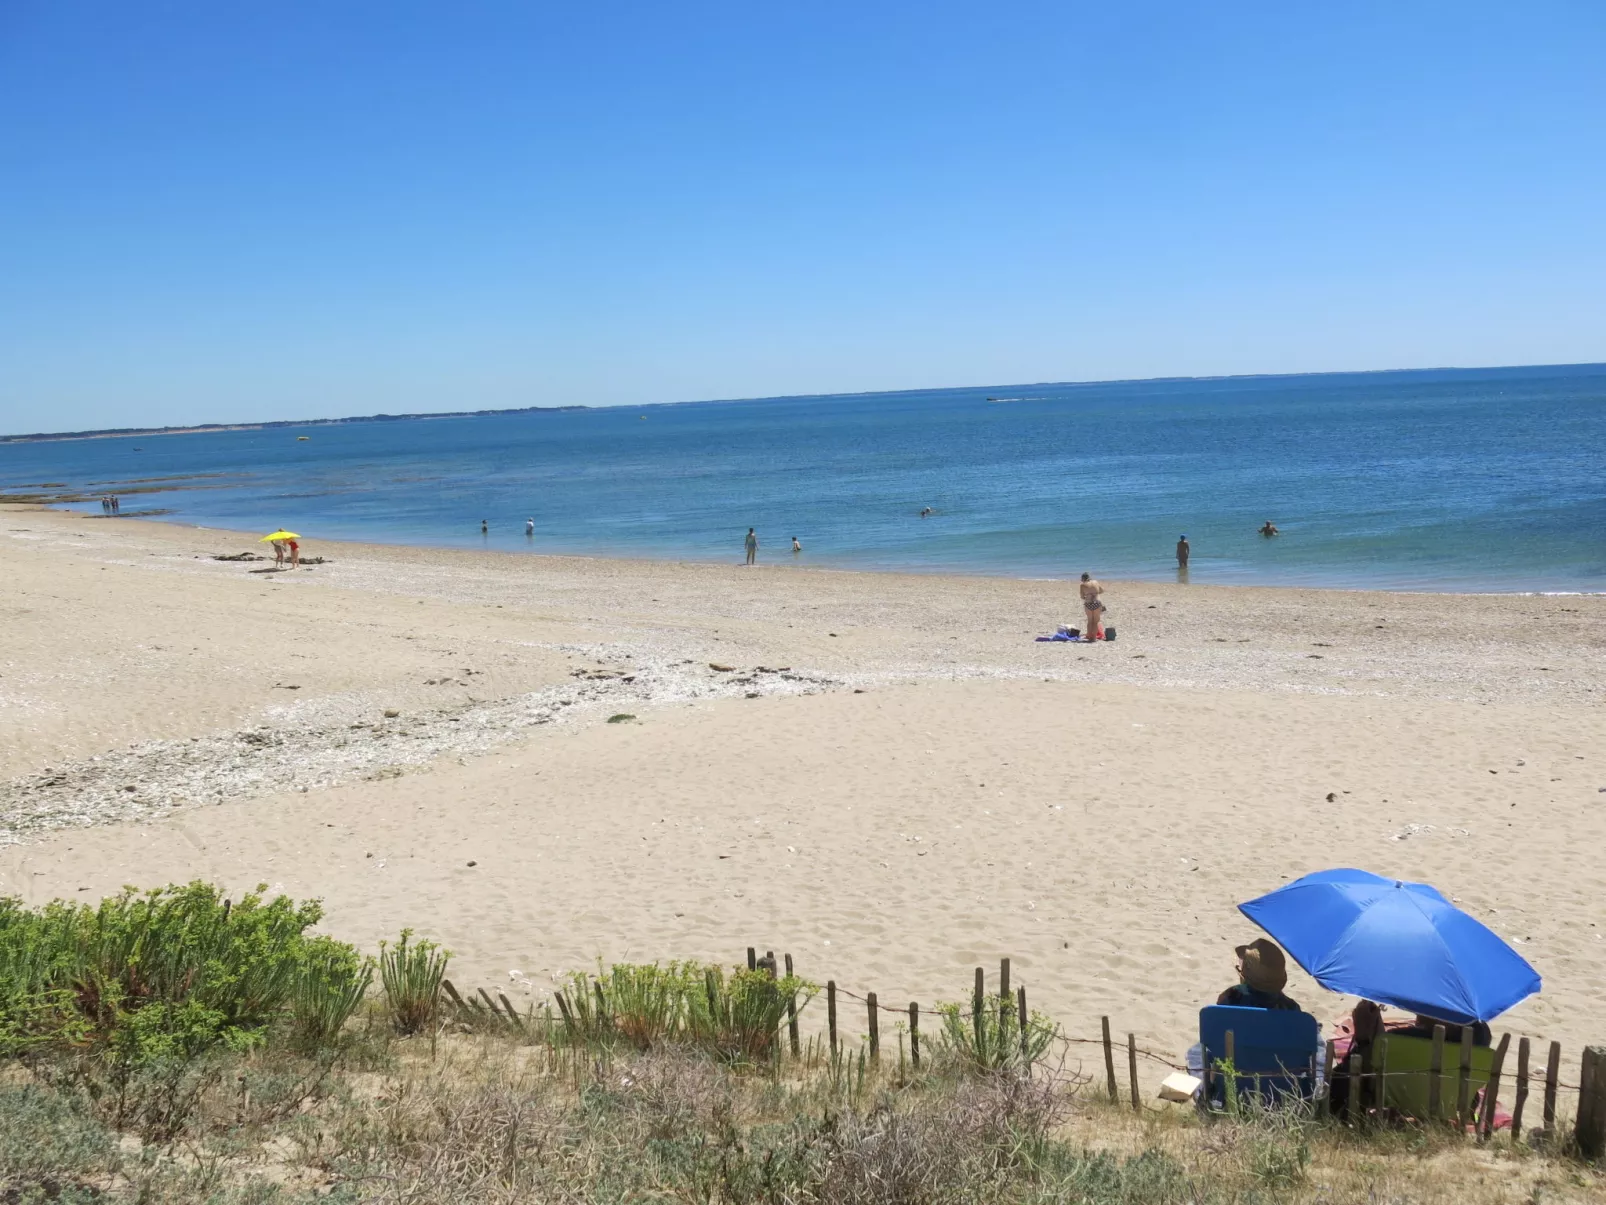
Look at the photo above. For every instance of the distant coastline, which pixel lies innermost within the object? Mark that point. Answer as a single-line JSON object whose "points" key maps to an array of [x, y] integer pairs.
{"points": [[1588, 368], [125, 432]]}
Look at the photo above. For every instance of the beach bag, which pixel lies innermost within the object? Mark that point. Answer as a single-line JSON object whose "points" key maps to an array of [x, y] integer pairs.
{"points": [[1109, 633]]}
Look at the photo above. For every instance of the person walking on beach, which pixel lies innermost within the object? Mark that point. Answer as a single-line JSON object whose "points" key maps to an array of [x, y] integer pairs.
{"points": [[295, 554], [752, 546], [1092, 607], [278, 554], [1182, 552]]}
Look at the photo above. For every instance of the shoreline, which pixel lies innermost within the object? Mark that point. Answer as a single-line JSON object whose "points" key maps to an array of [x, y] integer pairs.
{"points": [[512, 555]]}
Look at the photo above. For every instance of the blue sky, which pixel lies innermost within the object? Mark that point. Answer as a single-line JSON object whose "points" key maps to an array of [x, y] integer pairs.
{"points": [[270, 210]]}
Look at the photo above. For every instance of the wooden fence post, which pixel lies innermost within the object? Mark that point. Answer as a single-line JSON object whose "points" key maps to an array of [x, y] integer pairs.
{"points": [[1463, 1087], [1025, 1046], [791, 1011], [1491, 1092], [1591, 1127], [1132, 1067], [1004, 1000], [1552, 1074], [977, 1003], [875, 1028], [914, 1033], [1522, 1090], [1436, 1075], [830, 1011], [752, 959], [1109, 1061]]}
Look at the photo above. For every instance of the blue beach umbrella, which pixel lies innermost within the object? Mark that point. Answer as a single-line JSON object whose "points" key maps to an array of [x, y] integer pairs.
{"points": [[1397, 943]]}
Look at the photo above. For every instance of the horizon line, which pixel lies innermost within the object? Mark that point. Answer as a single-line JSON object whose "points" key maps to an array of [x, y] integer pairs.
{"points": [[263, 424]]}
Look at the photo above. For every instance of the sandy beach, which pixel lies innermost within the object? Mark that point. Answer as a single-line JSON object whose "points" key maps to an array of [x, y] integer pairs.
{"points": [[892, 780]]}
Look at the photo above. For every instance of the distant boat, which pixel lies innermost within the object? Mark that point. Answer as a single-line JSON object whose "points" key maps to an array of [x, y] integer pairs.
{"points": [[302, 438]]}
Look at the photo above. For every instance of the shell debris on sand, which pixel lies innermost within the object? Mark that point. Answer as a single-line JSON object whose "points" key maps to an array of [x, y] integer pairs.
{"points": [[330, 741]]}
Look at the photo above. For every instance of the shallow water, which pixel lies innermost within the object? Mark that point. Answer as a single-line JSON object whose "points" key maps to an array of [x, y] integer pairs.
{"points": [[1439, 480]]}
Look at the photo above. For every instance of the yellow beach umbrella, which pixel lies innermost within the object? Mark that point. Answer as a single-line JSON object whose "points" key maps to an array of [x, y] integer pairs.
{"points": [[278, 535]]}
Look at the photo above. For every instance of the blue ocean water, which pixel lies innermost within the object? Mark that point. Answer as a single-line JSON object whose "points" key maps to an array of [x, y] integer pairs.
{"points": [[1487, 479]]}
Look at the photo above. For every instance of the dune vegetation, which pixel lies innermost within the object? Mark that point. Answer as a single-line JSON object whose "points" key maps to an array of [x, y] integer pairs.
{"points": [[174, 1046]]}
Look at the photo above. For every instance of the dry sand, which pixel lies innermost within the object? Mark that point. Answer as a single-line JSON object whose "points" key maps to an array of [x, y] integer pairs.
{"points": [[1095, 813]]}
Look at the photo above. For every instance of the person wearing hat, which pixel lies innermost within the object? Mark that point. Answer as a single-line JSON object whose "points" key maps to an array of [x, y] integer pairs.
{"points": [[1262, 975]]}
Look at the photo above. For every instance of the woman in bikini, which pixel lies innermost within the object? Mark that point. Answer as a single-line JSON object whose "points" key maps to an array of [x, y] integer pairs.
{"points": [[1091, 606]]}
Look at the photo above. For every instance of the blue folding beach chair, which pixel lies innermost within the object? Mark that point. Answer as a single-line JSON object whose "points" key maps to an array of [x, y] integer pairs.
{"points": [[1273, 1052]]}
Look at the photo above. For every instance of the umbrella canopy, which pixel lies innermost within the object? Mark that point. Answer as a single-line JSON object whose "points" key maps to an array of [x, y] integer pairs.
{"points": [[279, 535], [1398, 943]]}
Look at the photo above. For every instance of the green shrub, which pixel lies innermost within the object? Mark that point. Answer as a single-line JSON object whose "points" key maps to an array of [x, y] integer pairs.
{"points": [[161, 974], [332, 985], [737, 1017], [412, 973], [992, 1038], [641, 1005]]}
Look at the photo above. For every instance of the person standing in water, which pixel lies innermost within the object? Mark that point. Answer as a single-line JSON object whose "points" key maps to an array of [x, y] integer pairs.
{"points": [[485, 527], [1182, 553], [1092, 607], [1269, 529], [796, 547], [529, 527], [752, 546]]}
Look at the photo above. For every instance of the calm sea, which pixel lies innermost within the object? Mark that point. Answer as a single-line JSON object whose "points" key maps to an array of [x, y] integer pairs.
{"points": [[1437, 480]]}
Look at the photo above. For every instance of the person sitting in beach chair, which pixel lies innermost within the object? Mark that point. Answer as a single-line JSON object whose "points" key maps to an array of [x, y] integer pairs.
{"points": [[1361, 1049], [1262, 975], [1271, 1053], [1269, 1041], [1404, 1065]]}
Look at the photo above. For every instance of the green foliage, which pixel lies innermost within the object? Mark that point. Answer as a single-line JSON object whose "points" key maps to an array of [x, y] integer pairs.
{"points": [[147, 977], [412, 973], [640, 1005], [991, 1039], [332, 985], [735, 1016]]}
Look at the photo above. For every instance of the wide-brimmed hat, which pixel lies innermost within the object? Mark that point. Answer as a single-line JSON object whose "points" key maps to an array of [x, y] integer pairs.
{"points": [[1262, 964]]}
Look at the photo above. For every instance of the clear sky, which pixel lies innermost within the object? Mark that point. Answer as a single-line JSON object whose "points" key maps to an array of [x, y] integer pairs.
{"points": [[253, 209]]}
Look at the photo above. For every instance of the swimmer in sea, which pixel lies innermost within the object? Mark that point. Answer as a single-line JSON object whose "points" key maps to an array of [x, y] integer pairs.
{"points": [[1269, 529], [796, 547], [925, 513]]}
